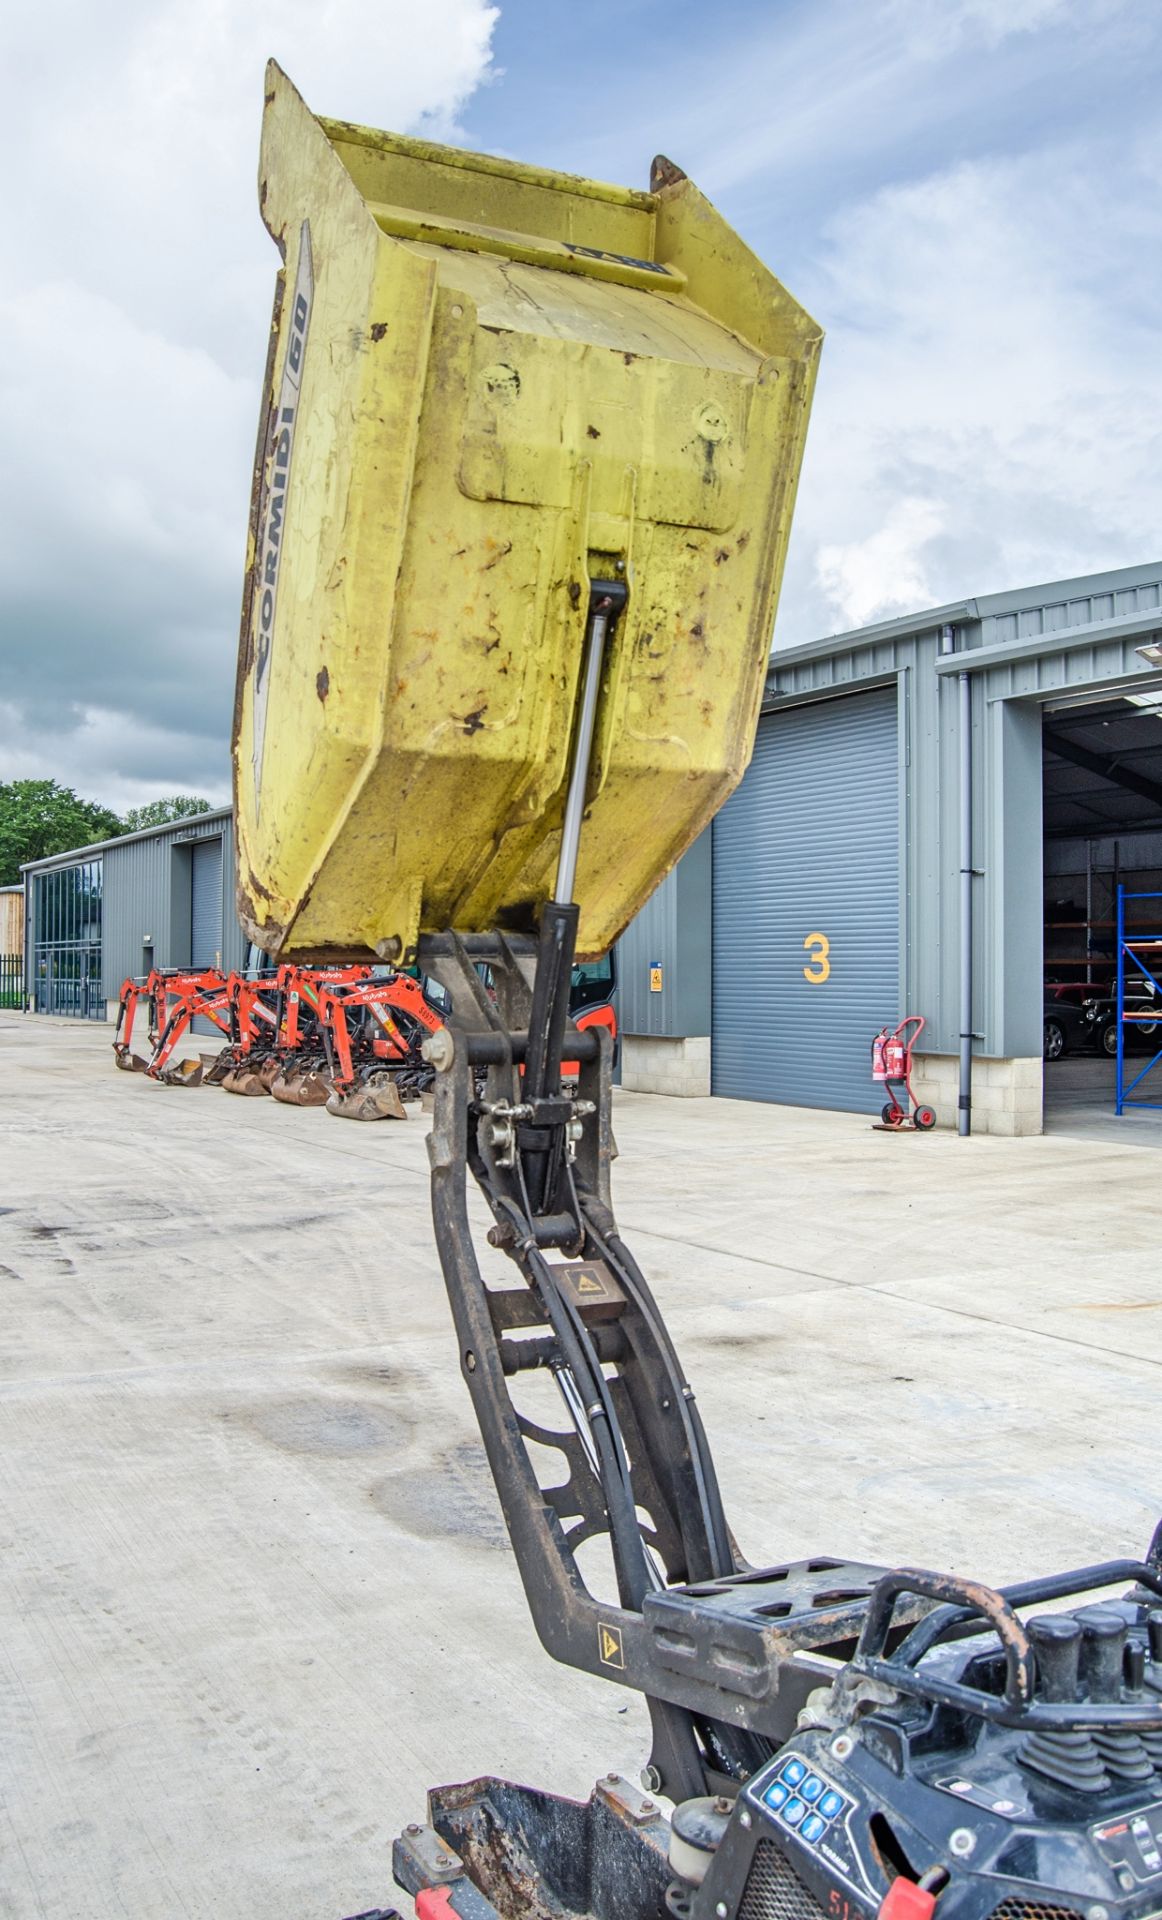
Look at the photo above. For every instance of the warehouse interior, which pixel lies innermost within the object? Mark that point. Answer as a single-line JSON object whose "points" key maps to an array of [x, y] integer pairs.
{"points": [[1102, 824]]}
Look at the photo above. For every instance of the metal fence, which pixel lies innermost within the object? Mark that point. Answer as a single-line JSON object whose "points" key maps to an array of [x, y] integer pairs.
{"points": [[11, 980], [67, 980]]}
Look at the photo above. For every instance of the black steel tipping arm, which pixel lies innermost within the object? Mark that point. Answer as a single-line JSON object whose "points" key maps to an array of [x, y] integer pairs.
{"points": [[721, 1651], [637, 1471]]}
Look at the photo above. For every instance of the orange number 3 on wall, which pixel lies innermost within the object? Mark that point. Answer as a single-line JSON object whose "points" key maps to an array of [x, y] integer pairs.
{"points": [[819, 970]]}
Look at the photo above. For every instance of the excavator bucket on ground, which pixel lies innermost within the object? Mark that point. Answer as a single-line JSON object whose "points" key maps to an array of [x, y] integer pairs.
{"points": [[302, 1082], [242, 1077], [182, 1073], [135, 994], [375, 1098], [488, 384], [247, 1065]]}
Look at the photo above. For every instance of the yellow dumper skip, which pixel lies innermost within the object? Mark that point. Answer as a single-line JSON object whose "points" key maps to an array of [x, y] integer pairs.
{"points": [[487, 385]]}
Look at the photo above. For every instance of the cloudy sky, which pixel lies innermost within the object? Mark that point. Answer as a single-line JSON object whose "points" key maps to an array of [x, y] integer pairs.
{"points": [[966, 193]]}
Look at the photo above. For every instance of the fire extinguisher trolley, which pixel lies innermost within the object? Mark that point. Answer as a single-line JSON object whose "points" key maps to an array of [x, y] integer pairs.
{"points": [[891, 1057]]}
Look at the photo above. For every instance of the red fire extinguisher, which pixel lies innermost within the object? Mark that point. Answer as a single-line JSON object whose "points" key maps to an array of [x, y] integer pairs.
{"points": [[891, 1063]]}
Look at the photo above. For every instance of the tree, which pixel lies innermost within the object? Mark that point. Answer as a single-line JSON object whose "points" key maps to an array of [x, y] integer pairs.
{"points": [[40, 817], [156, 813]]}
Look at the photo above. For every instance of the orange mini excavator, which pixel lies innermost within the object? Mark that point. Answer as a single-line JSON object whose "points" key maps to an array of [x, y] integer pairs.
{"points": [[174, 998], [373, 1032]]}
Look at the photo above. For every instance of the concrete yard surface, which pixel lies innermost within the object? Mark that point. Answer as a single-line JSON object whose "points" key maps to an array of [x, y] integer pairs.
{"points": [[256, 1591]]}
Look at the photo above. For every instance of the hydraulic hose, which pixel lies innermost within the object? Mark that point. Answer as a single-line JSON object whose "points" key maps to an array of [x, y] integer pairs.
{"points": [[621, 1261], [633, 1571]]}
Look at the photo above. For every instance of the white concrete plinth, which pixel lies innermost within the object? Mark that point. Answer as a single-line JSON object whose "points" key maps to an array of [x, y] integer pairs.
{"points": [[651, 1063], [1006, 1094]]}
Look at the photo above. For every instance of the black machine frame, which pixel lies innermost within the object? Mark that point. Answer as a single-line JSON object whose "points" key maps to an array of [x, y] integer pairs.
{"points": [[722, 1650], [711, 1641], [858, 1673]]}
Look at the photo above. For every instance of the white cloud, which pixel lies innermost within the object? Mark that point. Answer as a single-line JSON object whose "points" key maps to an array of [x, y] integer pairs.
{"points": [[816, 97], [885, 572], [990, 405], [137, 295], [147, 428], [936, 27], [111, 756]]}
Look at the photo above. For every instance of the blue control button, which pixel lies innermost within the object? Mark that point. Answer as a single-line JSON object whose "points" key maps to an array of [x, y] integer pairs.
{"points": [[811, 1788], [792, 1771], [776, 1796], [812, 1829], [793, 1811], [831, 1804]]}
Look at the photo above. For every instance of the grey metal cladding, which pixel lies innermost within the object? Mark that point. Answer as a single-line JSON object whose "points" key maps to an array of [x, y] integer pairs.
{"points": [[148, 896], [672, 932], [1024, 649], [808, 845], [206, 902], [137, 907], [650, 940], [1081, 604]]}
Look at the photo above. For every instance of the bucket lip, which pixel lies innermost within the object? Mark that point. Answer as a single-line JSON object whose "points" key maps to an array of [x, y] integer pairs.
{"points": [[352, 133]]}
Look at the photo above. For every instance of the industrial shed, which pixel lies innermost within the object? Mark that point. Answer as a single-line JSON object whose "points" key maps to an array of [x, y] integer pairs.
{"points": [[936, 820], [96, 915]]}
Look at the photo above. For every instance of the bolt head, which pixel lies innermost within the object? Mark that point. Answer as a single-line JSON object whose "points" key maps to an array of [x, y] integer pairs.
{"points": [[962, 1842], [721, 1910], [439, 1049], [744, 1818]]}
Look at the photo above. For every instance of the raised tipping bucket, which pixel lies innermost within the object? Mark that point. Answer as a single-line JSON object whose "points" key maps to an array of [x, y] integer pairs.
{"points": [[489, 384]]}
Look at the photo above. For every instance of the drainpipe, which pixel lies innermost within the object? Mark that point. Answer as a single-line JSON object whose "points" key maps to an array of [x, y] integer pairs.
{"points": [[964, 690]]}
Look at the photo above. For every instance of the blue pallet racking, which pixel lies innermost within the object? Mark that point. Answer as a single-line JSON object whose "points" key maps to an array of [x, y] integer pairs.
{"points": [[1131, 947]]}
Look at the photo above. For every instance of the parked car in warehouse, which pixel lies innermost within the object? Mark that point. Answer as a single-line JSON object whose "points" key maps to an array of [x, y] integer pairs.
{"points": [[1078, 1026], [1090, 1025]]}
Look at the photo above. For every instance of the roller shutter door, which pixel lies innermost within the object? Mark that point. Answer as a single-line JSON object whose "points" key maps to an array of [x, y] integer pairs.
{"points": [[806, 907], [206, 903]]}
